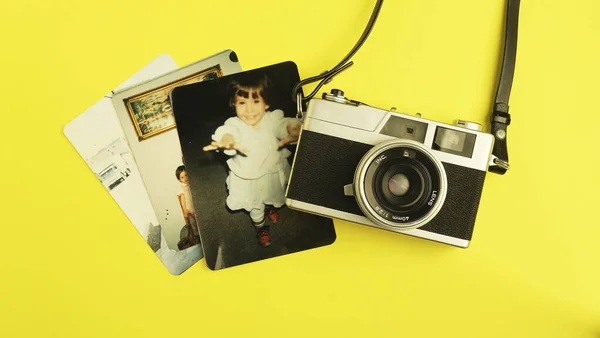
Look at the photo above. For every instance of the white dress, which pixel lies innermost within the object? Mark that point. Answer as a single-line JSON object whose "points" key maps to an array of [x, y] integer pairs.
{"points": [[259, 176]]}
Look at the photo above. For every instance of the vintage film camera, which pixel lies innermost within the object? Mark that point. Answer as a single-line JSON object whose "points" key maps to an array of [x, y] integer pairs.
{"points": [[389, 170], [400, 172]]}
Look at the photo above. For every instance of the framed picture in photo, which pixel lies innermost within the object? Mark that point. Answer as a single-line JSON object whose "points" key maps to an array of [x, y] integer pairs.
{"points": [[151, 112]]}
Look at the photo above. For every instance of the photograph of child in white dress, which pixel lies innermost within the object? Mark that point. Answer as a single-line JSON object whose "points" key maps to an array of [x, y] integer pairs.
{"points": [[238, 135], [255, 139]]}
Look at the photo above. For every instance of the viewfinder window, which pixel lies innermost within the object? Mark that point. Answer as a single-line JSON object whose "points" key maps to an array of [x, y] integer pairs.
{"points": [[405, 128]]}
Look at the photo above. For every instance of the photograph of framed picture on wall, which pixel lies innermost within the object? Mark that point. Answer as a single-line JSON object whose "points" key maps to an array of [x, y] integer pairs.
{"points": [[151, 112], [157, 152]]}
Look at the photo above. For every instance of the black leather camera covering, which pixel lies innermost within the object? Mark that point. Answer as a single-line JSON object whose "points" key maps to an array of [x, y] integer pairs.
{"points": [[325, 164]]}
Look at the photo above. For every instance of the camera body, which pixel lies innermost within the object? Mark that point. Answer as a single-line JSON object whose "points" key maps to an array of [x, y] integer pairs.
{"points": [[389, 170]]}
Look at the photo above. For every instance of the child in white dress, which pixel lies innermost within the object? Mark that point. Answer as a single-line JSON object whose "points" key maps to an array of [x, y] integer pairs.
{"points": [[259, 169]]}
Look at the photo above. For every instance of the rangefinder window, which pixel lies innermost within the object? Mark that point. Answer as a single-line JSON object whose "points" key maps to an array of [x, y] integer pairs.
{"points": [[454, 142]]}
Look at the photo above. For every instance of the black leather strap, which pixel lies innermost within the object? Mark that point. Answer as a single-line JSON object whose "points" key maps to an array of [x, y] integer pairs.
{"points": [[500, 117]]}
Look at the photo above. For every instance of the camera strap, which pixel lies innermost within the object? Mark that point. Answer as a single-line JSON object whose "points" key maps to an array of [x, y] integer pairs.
{"points": [[328, 75], [500, 119]]}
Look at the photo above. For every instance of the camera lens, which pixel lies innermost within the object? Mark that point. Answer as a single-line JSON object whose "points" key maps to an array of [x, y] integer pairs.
{"points": [[400, 183]]}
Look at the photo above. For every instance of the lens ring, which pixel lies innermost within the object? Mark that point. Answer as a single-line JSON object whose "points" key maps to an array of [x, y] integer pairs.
{"points": [[387, 205], [385, 217]]}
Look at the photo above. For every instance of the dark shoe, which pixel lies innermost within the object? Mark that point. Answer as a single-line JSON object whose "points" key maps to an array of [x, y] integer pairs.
{"points": [[262, 234]]}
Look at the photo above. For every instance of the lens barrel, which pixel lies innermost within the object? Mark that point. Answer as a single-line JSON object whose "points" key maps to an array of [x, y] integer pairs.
{"points": [[400, 184]]}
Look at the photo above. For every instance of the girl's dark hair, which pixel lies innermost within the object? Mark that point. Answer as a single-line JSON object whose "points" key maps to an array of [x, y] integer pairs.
{"points": [[245, 83], [178, 171]]}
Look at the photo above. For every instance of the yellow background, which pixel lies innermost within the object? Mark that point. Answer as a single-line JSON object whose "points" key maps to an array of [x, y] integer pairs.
{"points": [[71, 265]]}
